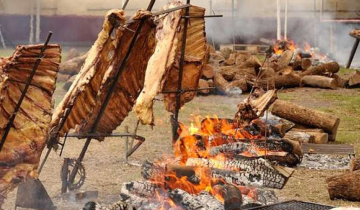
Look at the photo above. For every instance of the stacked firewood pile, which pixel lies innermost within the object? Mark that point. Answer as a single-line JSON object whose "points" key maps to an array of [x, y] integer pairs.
{"points": [[70, 67], [288, 66]]}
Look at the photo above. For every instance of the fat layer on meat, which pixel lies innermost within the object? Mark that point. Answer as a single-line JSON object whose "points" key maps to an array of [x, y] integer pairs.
{"points": [[27, 138], [162, 70], [88, 92]]}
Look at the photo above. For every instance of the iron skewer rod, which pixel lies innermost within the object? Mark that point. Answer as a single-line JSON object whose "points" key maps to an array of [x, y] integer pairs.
{"points": [[189, 90], [109, 93], [353, 51], [180, 76], [23, 94], [171, 10]]}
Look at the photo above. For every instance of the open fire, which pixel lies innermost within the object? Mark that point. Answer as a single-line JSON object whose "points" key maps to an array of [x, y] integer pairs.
{"points": [[219, 163]]}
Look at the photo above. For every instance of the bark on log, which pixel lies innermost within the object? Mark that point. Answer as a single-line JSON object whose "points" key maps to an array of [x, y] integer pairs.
{"points": [[332, 67], [305, 116], [342, 83], [354, 164], [345, 186], [240, 83], [208, 71], [301, 137], [203, 201], [120, 205], [62, 77], [320, 81], [302, 64], [251, 62], [354, 80], [320, 137]]}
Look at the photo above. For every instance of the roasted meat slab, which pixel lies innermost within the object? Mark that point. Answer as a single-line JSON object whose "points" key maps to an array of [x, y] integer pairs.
{"points": [[162, 70], [21, 153], [89, 90]]}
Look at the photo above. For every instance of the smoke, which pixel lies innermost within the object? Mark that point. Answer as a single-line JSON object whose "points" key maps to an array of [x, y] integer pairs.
{"points": [[257, 19]]}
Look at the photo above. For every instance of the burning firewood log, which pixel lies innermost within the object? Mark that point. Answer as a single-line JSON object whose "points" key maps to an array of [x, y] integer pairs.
{"points": [[231, 195], [21, 153], [203, 201], [319, 81], [344, 186], [332, 67], [121, 205], [284, 60], [305, 116]]}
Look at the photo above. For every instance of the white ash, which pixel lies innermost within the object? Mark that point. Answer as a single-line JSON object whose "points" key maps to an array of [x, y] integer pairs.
{"points": [[325, 161]]}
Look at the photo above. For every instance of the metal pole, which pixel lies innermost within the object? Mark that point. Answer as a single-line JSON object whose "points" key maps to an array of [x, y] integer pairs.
{"points": [[31, 37], [125, 4], [352, 54], [180, 76], [286, 20], [233, 21], [278, 15], [109, 94], [23, 94], [38, 28]]}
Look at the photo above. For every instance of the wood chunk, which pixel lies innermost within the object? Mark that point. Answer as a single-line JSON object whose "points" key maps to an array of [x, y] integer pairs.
{"points": [[354, 80], [240, 83], [320, 137], [204, 84], [220, 82], [332, 67], [73, 66], [354, 164], [287, 78], [208, 71], [62, 77], [320, 81], [301, 137], [285, 59], [305, 116], [231, 195], [344, 186], [302, 64]]}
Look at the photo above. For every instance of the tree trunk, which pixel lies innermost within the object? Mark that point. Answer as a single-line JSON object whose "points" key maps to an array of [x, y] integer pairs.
{"points": [[345, 186], [220, 82], [320, 81], [301, 137], [354, 164], [305, 116], [302, 64], [332, 67]]}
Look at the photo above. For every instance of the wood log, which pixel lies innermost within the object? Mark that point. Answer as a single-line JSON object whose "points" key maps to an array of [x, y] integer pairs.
{"points": [[241, 58], [216, 59], [301, 137], [354, 80], [73, 66], [265, 80], [345, 186], [203, 201], [240, 83], [305, 116], [284, 60], [62, 77], [302, 64], [226, 52], [230, 194], [320, 81], [354, 164], [287, 79], [247, 171], [73, 53], [342, 83], [251, 62], [220, 82], [120, 205], [332, 67], [231, 60], [320, 137], [279, 129], [203, 84], [275, 120], [208, 71]]}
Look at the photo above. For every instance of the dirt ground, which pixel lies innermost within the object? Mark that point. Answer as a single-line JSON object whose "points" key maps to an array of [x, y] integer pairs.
{"points": [[106, 169]]}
